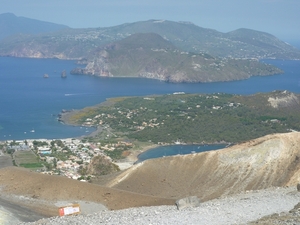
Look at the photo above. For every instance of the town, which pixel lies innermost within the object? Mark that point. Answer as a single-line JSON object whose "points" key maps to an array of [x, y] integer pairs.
{"points": [[67, 157]]}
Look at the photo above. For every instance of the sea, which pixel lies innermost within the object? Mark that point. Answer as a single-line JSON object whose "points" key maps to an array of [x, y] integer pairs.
{"points": [[179, 149], [30, 103]]}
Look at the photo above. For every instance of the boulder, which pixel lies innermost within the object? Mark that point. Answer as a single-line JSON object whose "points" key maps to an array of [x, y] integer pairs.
{"points": [[191, 201], [298, 187]]}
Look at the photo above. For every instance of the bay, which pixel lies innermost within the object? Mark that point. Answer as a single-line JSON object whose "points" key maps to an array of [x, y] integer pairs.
{"points": [[163, 151], [30, 103]]}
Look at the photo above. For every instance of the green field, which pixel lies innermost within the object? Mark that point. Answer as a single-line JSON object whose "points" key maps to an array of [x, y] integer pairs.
{"points": [[27, 159]]}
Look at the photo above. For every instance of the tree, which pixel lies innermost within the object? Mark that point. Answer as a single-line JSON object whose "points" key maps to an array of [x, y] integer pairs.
{"points": [[54, 162]]}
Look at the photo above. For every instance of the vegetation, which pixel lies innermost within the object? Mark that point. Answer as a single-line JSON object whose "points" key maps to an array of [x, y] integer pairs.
{"points": [[197, 118], [101, 165], [79, 43], [27, 159], [150, 55], [115, 154], [31, 165]]}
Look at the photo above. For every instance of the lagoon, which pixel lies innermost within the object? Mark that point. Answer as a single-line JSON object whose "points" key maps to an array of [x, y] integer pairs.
{"points": [[30, 103]]}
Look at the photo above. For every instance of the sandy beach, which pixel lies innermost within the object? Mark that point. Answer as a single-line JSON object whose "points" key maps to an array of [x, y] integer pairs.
{"points": [[133, 156]]}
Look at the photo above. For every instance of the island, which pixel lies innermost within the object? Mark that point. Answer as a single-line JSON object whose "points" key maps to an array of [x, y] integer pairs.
{"points": [[149, 55]]}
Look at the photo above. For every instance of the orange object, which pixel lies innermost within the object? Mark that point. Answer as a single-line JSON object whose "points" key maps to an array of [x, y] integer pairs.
{"points": [[69, 210]]}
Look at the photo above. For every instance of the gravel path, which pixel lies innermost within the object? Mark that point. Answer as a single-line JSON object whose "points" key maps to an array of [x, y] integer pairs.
{"points": [[237, 209]]}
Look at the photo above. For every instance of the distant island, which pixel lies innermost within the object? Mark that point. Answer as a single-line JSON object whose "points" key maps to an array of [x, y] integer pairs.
{"points": [[148, 55], [165, 50]]}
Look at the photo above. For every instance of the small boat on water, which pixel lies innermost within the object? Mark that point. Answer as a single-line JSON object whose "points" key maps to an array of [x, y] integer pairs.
{"points": [[46, 75]]}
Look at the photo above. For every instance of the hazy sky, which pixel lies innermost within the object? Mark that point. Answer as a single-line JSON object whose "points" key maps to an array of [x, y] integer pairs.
{"points": [[278, 17]]}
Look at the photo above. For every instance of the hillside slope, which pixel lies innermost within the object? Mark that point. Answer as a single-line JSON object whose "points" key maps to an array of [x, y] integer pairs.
{"points": [[12, 25], [149, 55], [268, 161], [195, 118], [41, 192], [78, 43]]}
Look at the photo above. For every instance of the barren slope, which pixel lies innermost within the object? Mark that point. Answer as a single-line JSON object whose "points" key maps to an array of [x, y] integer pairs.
{"points": [[34, 186], [272, 160], [268, 161]]}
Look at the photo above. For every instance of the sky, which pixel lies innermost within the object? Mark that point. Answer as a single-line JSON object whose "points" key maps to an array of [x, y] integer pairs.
{"points": [[278, 17]]}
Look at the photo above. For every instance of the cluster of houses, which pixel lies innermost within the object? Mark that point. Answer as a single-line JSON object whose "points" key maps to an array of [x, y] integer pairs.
{"points": [[129, 115], [66, 156]]}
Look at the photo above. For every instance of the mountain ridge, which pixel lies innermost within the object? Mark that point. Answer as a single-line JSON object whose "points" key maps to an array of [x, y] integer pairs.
{"points": [[199, 54], [10, 24], [77, 43], [151, 56]]}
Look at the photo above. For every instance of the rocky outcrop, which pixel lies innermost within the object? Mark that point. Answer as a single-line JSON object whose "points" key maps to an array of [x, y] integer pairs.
{"points": [[191, 201], [101, 165], [283, 99]]}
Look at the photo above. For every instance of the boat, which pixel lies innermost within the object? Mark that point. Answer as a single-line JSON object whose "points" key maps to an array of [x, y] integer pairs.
{"points": [[46, 75], [177, 142]]}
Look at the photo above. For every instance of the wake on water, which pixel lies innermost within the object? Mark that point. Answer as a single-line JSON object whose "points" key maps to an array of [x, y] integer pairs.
{"points": [[77, 94]]}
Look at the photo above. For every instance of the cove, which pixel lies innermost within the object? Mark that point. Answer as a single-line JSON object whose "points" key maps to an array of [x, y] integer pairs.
{"points": [[170, 150]]}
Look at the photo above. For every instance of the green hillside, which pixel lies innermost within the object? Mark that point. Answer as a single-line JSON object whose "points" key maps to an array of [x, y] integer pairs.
{"points": [[149, 55], [196, 118], [77, 43]]}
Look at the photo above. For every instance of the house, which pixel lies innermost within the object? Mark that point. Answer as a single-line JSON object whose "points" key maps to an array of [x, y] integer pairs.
{"points": [[44, 150]]}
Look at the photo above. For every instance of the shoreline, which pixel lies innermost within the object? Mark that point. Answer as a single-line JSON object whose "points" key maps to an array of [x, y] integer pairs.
{"points": [[132, 158]]}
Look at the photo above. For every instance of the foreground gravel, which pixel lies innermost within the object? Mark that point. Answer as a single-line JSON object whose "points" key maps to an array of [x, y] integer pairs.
{"points": [[238, 209]]}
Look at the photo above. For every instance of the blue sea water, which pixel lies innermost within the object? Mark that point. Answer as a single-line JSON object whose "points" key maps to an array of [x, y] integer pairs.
{"points": [[162, 151], [30, 102]]}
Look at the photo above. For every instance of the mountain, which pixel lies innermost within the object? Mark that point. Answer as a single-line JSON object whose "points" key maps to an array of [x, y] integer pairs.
{"points": [[78, 43], [12, 25], [269, 161], [151, 56], [262, 43]]}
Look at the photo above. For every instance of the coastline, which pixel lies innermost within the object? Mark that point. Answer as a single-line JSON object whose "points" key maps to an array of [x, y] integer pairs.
{"points": [[132, 158], [64, 117], [128, 161]]}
